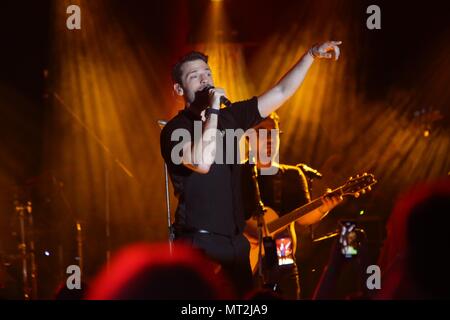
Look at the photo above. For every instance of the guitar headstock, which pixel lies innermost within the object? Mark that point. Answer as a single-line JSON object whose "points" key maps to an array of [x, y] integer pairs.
{"points": [[359, 184]]}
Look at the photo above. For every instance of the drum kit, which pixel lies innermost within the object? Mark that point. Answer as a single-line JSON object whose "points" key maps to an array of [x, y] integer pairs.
{"points": [[47, 235], [39, 247]]}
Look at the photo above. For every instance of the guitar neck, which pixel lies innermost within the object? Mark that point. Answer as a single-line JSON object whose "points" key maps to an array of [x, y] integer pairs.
{"points": [[295, 214]]}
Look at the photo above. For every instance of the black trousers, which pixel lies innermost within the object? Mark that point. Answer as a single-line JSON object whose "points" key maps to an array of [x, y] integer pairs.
{"points": [[231, 252], [287, 281]]}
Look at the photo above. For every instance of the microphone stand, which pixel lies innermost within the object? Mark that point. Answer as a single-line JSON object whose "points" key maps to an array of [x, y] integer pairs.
{"points": [[21, 209], [27, 249], [109, 155], [261, 225], [161, 124], [33, 266]]}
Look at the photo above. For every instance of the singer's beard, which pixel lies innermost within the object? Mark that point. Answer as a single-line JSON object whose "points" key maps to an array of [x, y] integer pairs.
{"points": [[201, 100]]}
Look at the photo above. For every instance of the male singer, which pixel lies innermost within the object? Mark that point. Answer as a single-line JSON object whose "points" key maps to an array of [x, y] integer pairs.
{"points": [[209, 215]]}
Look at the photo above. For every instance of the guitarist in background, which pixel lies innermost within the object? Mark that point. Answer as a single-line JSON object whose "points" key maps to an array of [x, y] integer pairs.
{"points": [[282, 192]]}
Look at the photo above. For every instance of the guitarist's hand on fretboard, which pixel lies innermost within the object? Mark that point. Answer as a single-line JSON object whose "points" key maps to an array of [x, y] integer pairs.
{"points": [[329, 202]]}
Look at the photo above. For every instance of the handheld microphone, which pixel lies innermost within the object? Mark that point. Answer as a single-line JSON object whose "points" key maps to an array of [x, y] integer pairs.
{"points": [[223, 100]]}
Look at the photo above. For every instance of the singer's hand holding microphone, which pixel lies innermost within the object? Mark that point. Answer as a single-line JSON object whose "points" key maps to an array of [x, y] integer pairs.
{"points": [[217, 97]]}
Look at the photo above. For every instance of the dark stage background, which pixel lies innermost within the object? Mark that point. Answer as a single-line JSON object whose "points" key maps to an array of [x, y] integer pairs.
{"points": [[76, 103]]}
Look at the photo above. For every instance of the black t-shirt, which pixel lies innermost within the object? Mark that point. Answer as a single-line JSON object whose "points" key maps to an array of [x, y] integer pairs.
{"points": [[283, 192], [210, 201]]}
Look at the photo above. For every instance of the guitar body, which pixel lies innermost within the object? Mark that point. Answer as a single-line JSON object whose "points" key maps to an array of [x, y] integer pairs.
{"points": [[251, 232], [273, 224]]}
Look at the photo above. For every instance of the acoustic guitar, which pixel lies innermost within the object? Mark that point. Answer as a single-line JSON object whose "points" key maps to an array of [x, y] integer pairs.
{"points": [[274, 224]]}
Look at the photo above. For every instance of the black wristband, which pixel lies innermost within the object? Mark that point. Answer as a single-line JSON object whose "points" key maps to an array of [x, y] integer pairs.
{"points": [[212, 111]]}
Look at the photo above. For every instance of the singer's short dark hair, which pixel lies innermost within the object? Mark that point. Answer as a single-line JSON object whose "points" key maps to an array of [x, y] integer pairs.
{"points": [[190, 56]]}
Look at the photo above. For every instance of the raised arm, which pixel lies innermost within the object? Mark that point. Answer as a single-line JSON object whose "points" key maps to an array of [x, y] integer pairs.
{"points": [[200, 155], [273, 98]]}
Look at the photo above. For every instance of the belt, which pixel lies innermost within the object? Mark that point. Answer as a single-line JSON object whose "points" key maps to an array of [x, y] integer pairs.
{"points": [[192, 230], [187, 229]]}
